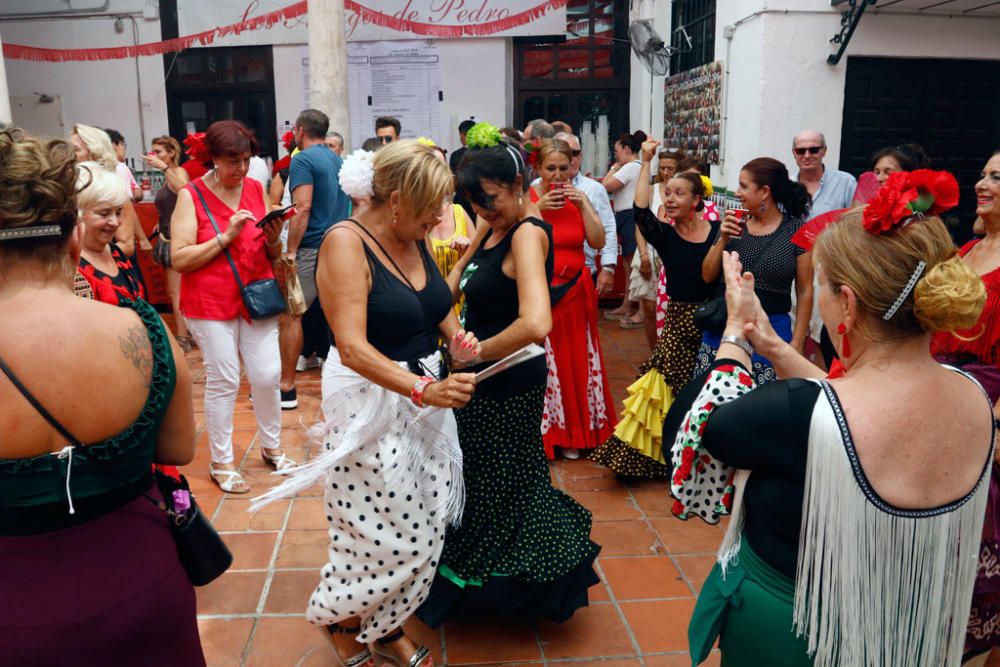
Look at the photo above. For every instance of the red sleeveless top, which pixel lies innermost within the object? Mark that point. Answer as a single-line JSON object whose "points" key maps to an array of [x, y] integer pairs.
{"points": [[983, 340], [211, 292]]}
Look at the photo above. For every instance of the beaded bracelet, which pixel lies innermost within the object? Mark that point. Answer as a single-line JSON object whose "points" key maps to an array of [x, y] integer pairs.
{"points": [[417, 393]]}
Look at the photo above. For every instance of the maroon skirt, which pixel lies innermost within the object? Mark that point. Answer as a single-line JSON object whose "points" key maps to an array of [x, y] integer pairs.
{"points": [[110, 591]]}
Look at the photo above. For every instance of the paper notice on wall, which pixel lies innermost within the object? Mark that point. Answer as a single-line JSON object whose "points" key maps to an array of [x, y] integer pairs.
{"points": [[401, 79]]}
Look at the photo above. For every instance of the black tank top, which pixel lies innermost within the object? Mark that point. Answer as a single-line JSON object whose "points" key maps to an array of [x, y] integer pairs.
{"points": [[491, 305], [402, 322]]}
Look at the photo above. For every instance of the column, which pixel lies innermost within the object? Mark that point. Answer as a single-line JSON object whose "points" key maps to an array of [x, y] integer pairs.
{"points": [[328, 81]]}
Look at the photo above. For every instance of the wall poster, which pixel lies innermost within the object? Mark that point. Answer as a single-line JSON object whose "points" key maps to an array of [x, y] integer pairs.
{"points": [[693, 111]]}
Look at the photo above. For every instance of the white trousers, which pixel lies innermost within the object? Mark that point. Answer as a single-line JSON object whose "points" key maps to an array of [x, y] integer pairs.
{"points": [[222, 343]]}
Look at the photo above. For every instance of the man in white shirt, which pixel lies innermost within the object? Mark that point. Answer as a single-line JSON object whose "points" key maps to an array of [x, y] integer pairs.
{"points": [[124, 173], [598, 196], [258, 171]]}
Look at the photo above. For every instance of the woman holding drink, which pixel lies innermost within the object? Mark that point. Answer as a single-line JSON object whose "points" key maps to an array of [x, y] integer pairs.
{"points": [[774, 208]]}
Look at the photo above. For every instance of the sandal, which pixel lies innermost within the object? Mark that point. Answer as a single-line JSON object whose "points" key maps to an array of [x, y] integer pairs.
{"points": [[420, 655], [186, 343], [630, 323], [279, 462], [228, 480], [362, 659]]}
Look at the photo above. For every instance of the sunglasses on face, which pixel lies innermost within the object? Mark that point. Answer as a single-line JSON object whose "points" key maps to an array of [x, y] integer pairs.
{"points": [[385, 139], [813, 150]]}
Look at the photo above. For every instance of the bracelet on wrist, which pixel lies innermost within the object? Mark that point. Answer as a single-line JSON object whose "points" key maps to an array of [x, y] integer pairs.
{"points": [[218, 239], [739, 342], [610, 269], [417, 393]]}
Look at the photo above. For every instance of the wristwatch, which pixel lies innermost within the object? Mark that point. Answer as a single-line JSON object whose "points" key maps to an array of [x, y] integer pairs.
{"points": [[609, 268], [739, 342]]}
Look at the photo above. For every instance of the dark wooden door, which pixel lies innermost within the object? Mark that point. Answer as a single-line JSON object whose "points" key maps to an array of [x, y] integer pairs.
{"points": [[946, 106]]}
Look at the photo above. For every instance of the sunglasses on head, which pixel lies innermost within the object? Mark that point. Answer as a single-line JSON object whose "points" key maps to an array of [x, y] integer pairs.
{"points": [[576, 153], [385, 139], [813, 150]]}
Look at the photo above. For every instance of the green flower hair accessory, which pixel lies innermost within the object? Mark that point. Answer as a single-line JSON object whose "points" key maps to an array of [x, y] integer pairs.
{"points": [[483, 135]]}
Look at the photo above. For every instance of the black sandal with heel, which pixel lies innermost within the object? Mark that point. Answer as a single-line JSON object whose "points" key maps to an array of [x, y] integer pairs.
{"points": [[362, 659]]}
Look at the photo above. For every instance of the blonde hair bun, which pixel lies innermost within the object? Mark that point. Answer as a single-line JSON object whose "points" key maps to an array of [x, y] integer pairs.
{"points": [[949, 297]]}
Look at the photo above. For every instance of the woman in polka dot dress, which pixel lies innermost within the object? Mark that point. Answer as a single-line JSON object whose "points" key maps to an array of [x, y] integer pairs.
{"points": [[391, 466], [778, 207], [523, 549], [636, 447]]}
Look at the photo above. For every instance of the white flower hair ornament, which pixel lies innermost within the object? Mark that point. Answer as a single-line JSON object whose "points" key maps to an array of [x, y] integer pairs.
{"points": [[357, 174]]}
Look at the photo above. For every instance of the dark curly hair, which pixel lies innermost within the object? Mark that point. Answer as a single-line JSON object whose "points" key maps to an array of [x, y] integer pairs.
{"points": [[38, 182]]}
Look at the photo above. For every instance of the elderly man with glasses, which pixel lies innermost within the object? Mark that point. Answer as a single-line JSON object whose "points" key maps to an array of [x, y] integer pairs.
{"points": [[604, 270], [829, 188]]}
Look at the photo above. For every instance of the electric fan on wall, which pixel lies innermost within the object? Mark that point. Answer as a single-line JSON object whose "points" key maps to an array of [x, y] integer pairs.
{"points": [[649, 47]]}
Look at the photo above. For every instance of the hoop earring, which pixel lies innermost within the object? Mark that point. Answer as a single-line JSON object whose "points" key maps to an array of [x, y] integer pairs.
{"points": [[845, 344]]}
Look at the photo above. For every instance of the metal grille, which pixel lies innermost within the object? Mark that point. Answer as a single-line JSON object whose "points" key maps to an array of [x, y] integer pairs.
{"points": [[697, 18]]}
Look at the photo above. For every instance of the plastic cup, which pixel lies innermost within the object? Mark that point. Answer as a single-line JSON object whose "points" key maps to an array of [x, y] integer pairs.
{"points": [[741, 217]]}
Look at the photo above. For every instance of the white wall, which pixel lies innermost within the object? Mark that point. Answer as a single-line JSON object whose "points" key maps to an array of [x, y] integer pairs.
{"points": [[778, 81], [103, 93], [645, 90]]}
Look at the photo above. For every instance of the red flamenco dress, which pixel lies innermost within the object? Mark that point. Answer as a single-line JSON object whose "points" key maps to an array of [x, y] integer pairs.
{"points": [[579, 411], [977, 352]]}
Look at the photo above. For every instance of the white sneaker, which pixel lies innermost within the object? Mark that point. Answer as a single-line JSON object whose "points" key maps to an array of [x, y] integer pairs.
{"points": [[305, 364], [571, 454]]}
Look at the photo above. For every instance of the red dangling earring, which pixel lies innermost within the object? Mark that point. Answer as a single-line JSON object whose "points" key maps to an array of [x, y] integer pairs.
{"points": [[845, 344]]}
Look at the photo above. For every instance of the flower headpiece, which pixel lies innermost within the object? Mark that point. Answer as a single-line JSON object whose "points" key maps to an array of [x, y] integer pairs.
{"points": [[424, 141], [706, 184], [532, 147], [483, 135], [357, 174], [196, 147], [288, 140], [909, 196]]}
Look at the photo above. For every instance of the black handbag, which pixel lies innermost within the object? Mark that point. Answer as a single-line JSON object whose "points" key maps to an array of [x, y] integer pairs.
{"points": [[713, 314], [262, 298], [200, 548]]}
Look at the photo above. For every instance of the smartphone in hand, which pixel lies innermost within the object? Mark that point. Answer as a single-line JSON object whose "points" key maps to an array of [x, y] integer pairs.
{"points": [[276, 214]]}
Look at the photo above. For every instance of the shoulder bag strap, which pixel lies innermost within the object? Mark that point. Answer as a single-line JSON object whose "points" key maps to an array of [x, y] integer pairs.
{"points": [[225, 250], [38, 406]]}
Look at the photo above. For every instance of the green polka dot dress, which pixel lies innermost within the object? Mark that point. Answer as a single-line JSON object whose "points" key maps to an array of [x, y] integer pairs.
{"points": [[523, 547]]}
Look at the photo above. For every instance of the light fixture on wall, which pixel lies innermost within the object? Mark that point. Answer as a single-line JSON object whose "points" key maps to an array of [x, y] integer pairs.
{"points": [[44, 98], [119, 25]]}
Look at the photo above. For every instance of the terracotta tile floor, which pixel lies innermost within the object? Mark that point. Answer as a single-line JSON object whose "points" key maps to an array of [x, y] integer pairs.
{"points": [[651, 564]]}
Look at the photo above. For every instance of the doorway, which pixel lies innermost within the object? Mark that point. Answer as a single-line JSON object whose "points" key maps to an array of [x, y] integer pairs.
{"points": [[579, 76], [225, 83], [946, 106]]}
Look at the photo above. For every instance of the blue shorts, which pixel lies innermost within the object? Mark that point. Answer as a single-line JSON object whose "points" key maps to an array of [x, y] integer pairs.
{"points": [[625, 224]]}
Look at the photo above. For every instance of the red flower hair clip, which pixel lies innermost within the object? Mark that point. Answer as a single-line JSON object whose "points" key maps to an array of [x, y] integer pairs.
{"points": [[909, 195], [288, 140], [196, 148], [531, 147]]}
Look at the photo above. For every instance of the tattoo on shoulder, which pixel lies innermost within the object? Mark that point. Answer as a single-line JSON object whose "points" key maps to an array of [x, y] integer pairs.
{"points": [[137, 349]]}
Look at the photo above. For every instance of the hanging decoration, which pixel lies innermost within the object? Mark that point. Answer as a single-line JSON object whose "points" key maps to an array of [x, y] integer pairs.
{"points": [[270, 19]]}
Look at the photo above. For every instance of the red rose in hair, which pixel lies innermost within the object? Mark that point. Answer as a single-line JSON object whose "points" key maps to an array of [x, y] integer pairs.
{"points": [[288, 140], [890, 204], [196, 148], [906, 193], [940, 186], [531, 147]]}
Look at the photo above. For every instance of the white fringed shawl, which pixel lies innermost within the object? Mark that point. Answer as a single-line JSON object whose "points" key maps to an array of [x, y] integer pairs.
{"points": [[876, 586], [357, 412]]}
